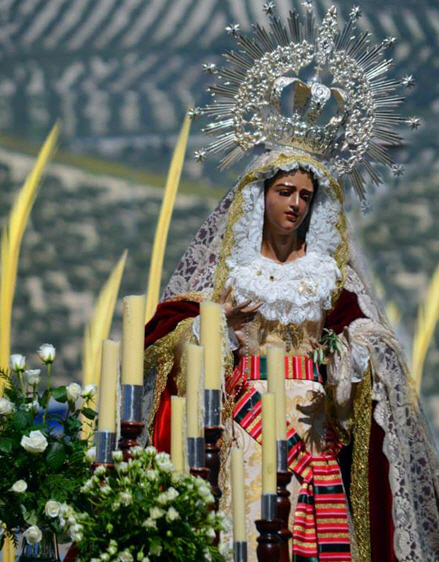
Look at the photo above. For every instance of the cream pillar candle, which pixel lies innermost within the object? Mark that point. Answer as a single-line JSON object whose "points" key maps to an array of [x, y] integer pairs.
{"points": [[238, 496], [276, 384], [269, 472], [133, 338], [178, 406], [108, 386], [195, 356], [211, 339]]}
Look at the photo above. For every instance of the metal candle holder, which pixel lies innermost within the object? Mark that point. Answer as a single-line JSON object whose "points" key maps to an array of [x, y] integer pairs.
{"points": [[283, 504], [212, 433], [195, 446], [131, 425], [105, 445], [268, 506], [131, 402], [282, 455], [240, 551], [212, 404], [268, 526]]}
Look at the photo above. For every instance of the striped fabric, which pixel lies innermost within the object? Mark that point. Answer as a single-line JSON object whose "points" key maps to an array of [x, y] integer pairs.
{"points": [[320, 530], [298, 367]]}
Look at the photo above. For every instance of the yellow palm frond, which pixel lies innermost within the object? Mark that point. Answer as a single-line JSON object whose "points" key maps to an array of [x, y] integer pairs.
{"points": [[428, 317], [161, 234], [99, 326], [8, 551], [12, 236], [393, 313]]}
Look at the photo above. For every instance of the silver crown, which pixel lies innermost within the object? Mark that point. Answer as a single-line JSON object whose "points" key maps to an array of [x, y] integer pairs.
{"points": [[341, 103]]}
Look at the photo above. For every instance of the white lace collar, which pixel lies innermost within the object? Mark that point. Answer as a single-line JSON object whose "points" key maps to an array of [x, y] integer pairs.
{"points": [[296, 291]]}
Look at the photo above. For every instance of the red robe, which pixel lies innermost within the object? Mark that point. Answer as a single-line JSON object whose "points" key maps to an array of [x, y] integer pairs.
{"points": [[346, 310]]}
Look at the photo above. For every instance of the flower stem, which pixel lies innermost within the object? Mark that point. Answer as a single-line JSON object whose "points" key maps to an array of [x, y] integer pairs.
{"points": [[23, 392], [49, 367]]}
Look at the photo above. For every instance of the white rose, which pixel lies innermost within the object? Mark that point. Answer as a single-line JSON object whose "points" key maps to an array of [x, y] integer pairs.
{"points": [[100, 470], [33, 407], [149, 523], [126, 498], [172, 494], [47, 353], [164, 464], [35, 443], [125, 556], [151, 475], [33, 535], [17, 362], [2, 529], [73, 391], [19, 487], [52, 508], [6, 407], [172, 514], [117, 456], [87, 486], [33, 376], [90, 455], [105, 490], [112, 549], [156, 549], [89, 391], [225, 550], [136, 451], [122, 467], [75, 533], [156, 512]]}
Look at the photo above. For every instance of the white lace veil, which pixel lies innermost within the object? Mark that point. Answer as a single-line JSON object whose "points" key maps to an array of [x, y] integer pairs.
{"points": [[196, 269]]}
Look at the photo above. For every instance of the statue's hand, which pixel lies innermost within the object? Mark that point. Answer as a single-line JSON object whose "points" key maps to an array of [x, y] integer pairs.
{"points": [[237, 316]]}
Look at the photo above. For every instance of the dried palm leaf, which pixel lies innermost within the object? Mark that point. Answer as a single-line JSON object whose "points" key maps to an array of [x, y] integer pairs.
{"points": [[12, 236], [428, 317], [161, 234]]}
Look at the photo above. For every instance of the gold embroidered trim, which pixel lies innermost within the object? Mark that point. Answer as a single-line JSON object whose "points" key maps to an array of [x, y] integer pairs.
{"points": [[162, 356], [341, 254], [360, 466], [191, 296]]}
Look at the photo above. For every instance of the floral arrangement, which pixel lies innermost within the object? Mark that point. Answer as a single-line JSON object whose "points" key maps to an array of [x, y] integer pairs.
{"points": [[43, 457], [142, 510]]}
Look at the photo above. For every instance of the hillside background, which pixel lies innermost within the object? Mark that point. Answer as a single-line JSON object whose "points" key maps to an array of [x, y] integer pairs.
{"points": [[120, 75]]}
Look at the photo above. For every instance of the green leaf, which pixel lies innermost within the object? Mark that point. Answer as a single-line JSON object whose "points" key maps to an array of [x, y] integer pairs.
{"points": [[29, 516], [59, 394], [6, 445], [89, 413], [21, 419], [56, 455], [44, 399], [20, 460]]}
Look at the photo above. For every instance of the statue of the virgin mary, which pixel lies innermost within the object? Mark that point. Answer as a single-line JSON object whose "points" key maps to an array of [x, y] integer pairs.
{"points": [[278, 254]]}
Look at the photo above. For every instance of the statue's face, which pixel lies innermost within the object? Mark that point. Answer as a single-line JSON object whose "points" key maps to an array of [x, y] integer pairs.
{"points": [[287, 201]]}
